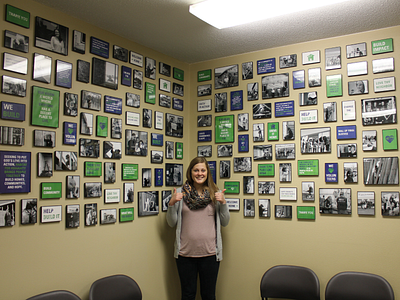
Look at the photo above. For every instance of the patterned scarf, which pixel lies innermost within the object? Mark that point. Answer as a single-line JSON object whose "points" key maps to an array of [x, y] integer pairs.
{"points": [[193, 199]]}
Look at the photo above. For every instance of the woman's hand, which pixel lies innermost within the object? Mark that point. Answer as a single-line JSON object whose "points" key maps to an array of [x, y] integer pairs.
{"points": [[175, 198], [219, 196]]}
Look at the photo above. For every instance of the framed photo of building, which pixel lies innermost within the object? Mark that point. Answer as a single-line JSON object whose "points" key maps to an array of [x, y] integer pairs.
{"points": [[381, 170], [13, 86], [86, 124], [226, 76], [16, 41], [108, 216], [204, 90], [51, 36]]}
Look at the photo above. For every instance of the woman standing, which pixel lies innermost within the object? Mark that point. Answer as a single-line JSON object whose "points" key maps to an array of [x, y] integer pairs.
{"points": [[198, 219]]}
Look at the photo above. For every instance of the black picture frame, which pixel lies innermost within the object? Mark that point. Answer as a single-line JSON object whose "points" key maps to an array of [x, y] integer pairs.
{"points": [[381, 170], [51, 36], [157, 157], [104, 73], [177, 89], [377, 111], [136, 142], [132, 100], [146, 177], [150, 68], [109, 172], [82, 71], [275, 86], [221, 102], [225, 169], [137, 79], [89, 147], [164, 100], [148, 203], [173, 174], [247, 70], [78, 42], [41, 68], [70, 104], [90, 100], [316, 140], [72, 187], [120, 53], [63, 74], [204, 151], [44, 138], [173, 125], [86, 123], [225, 77], [16, 41], [45, 164], [112, 150], [164, 69], [13, 86]]}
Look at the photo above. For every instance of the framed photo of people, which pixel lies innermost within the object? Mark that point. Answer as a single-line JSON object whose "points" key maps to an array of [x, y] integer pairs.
{"points": [[82, 71], [16, 41], [275, 86], [226, 76], [136, 142], [366, 203], [381, 170], [78, 42], [335, 201], [173, 125], [376, 111], [356, 50], [51, 36], [358, 87], [316, 140]]}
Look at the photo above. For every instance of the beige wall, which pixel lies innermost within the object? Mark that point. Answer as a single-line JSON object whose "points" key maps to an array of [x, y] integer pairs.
{"points": [[42, 257]]}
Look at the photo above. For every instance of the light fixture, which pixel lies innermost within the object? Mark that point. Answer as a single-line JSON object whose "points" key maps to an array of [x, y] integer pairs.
{"points": [[228, 13]]}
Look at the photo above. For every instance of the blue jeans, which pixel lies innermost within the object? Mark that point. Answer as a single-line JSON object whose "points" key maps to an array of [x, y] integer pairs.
{"points": [[207, 269]]}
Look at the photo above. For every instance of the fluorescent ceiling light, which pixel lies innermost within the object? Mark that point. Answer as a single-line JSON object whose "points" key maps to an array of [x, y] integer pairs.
{"points": [[229, 13]]}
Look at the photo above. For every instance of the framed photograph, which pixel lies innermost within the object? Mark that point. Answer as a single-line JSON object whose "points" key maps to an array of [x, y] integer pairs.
{"points": [[247, 70], [204, 120], [258, 132], [14, 86], [310, 98], [221, 102], [383, 65], [116, 128], [366, 203], [177, 89], [157, 157], [173, 174], [89, 148], [314, 77], [299, 79], [120, 53], [136, 142], [166, 197], [16, 41], [137, 79], [51, 36], [356, 50], [369, 140], [252, 91], [275, 86], [12, 136], [135, 59], [311, 57], [243, 122], [113, 105], [288, 61], [91, 214], [262, 111], [308, 191], [82, 71], [99, 47], [288, 129], [262, 152], [204, 151], [108, 216], [169, 150], [147, 118], [164, 69], [65, 161], [70, 104], [78, 42], [333, 58], [224, 129], [109, 172], [316, 140], [148, 203], [165, 101], [73, 187], [334, 87], [347, 150], [45, 164], [45, 107], [264, 206], [283, 211], [335, 201], [350, 172], [92, 169], [112, 150], [132, 118], [266, 66], [204, 90], [132, 100], [49, 214], [112, 195], [357, 68], [285, 172], [237, 100], [266, 187], [151, 68], [376, 111], [349, 110], [288, 193], [381, 170], [389, 138], [225, 169], [90, 100], [173, 125], [248, 184], [226, 76], [44, 138], [285, 151], [63, 74], [93, 189], [86, 124], [242, 164], [384, 84], [29, 211], [249, 207], [358, 87], [177, 104], [101, 126], [224, 150], [15, 63], [330, 112], [104, 73], [390, 203], [308, 167], [165, 85]]}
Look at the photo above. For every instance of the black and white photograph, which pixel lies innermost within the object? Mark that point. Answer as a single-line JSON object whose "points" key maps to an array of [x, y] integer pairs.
{"points": [[383, 65], [120, 53], [137, 79], [252, 91], [16, 41], [356, 50], [63, 74], [369, 140], [93, 190], [112, 150], [108, 216], [243, 122], [164, 101], [224, 150], [366, 203], [262, 111], [13, 86], [316, 140], [129, 192], [169, 150], [225, 169], [104, 73], [51, 36], [72, 216], [147, 118], [288, 130], [89, 148], [164, 69], [150, 69], [308, 190], [29, 211], [381, 170], [177, 89], [45, 164], [266, 187], [204, 90], [285, 151], [90, 100], [247, 70], [226, 76], [146, 177], [44, 138], [204, 151], [358, 87], [12, 136], [264, 208], [333, 58], [390, 203], [249, 207], [309, 98], [242, 164], [350, 172], [330, 112], [116, 128], [288, 61], [78, 42], [136, 142], [283, 211], [285, 172], [262, 152], [173, 125], [73, 187], [91, 214], [65, 161], [378, 111], [221, 102], [173, 174], [248, 184], [70, 104], [204, 121], [15, 63], [148, 203], [275, 86], [132, 100], [258, 132], [7, 213], [335, 201], [347, 150], [82, 71], [165, 198], [109, 172], [157, 157]]}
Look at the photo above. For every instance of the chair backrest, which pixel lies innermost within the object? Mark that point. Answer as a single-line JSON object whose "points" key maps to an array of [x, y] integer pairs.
{"points": [[56, 295], [290, 282], [115, 287], [358, 286]]}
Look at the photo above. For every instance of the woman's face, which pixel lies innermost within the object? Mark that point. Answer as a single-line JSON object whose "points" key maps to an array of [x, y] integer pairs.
{"points": [[199, 174]]}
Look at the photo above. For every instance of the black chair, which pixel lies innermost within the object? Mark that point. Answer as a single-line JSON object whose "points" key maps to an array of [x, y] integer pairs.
{"points": [[290, 282], [115, 287], [358, 286], [56, 295]]}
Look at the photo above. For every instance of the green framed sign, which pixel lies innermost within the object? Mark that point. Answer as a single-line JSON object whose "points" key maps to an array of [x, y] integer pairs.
{"points": [[150, 90], [51, 190], [334, 86], [232, 187], [308, 167], [382, 46], [179, 150], [17, 16], [93, 168], [178, 74], [273, 131], [224, 129], [306, 212], [130, 171], [204, 75], [389, 138], [126, 214], [45, 107], [266, 170], [101, 126]]}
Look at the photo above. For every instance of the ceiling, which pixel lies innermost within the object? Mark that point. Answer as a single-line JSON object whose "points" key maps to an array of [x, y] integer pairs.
{"points": [[168, 27]]}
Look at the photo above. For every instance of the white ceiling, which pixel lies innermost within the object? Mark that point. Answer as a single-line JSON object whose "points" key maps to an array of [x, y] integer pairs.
{"points": [[168, 27]]}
